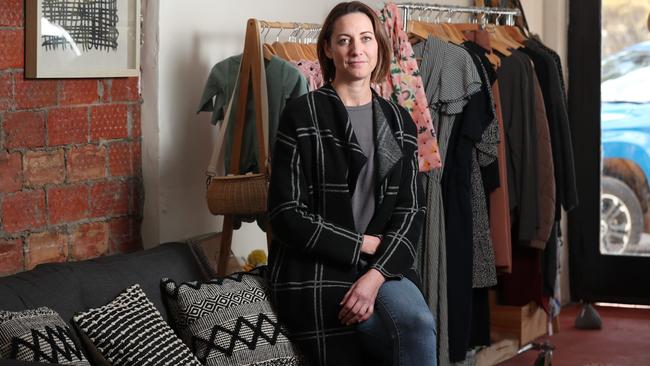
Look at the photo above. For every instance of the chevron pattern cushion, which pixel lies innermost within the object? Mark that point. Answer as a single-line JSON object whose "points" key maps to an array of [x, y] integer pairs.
{"points": [[230, 321], [38, 335], [130, 331]]}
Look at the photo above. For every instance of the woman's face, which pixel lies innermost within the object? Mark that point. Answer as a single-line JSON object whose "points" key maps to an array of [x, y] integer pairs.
{"points": [[353, 48]]}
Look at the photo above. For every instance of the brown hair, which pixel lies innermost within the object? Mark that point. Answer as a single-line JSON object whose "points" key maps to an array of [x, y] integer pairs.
{"points": [[383, 46]]}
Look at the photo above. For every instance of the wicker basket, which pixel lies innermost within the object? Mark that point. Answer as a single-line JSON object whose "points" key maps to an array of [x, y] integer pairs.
{"points": [[238, 194]]}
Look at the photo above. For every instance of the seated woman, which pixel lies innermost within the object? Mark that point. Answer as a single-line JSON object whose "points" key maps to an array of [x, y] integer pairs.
{"points": [[346, 209]]}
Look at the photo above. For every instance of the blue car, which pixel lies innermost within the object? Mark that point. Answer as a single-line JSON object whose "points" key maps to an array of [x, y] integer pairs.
{"points": [[625, 138], [625, 129]]}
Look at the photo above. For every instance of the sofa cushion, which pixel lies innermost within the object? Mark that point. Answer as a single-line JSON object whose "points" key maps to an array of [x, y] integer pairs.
{"points": [[130, 331], [229, 320], [38, 335], [71, 287]]}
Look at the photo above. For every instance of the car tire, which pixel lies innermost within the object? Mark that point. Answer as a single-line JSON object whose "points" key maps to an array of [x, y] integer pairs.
{"points": [[621, 216]]}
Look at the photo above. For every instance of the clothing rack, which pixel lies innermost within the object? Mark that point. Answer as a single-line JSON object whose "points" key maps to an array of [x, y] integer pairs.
{"points": [[288, 25], [296, 27], [408, 10], [415, 11]]}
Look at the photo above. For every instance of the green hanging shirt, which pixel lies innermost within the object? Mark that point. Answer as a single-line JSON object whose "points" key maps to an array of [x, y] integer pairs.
{"points": [[283, 82]]}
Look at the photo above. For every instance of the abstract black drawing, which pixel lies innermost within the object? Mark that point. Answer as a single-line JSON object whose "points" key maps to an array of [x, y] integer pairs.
{"points": [[90, 24]]}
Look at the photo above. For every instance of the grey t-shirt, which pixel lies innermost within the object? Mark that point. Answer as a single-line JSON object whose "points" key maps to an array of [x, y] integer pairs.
{"points": [[363, 198]]}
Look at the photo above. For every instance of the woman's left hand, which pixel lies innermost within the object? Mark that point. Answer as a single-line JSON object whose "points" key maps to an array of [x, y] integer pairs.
{"points": [[359, 302]]}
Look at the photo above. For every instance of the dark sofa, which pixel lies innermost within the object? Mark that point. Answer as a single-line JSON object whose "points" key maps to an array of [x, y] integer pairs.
{"points": [[77, 286]]}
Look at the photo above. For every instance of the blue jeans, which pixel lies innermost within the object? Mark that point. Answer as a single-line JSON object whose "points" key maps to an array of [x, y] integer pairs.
{"points": [[402, 330]]}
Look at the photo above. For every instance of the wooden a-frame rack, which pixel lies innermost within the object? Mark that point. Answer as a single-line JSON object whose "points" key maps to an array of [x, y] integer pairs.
{"points": [[250, 73]]}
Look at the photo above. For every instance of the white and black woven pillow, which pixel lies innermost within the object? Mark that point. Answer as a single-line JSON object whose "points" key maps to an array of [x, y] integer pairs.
{"points": [[130, 331], [38, 335], [230, 321]]}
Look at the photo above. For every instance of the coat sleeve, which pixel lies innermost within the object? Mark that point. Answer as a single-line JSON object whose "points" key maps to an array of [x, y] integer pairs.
{"points": [[396, 253], [293, 219]]}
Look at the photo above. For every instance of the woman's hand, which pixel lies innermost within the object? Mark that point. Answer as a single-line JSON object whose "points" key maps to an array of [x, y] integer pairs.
{"points": [[359, 302], [370, 244]]}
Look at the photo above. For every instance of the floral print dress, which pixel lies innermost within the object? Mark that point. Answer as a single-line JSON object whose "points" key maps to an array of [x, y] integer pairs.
{"points": [[404, 87]]}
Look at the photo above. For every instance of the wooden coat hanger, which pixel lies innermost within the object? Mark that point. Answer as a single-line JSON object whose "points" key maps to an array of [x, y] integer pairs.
{"points": [[437, 30], [268, 51], [516, 33], [474, 27], [294, 52], [309, 50], [454, 37], [418, 30], [452, 27], [280, 50], [304, 49], [463, 27], [496, 42], [505, 35]]}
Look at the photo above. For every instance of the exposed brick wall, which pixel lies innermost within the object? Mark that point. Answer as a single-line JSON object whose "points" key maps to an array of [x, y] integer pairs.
{"points": [[70, 174]]}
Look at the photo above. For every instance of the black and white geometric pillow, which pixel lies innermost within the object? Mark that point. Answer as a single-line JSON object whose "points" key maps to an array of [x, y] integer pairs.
{"points": [[38, 335], [130, 331], [230, 321]]}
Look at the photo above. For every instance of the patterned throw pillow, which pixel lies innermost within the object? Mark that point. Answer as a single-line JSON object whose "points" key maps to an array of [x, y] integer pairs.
{"points": [[130, 331], [230, 321], [38, 335]]}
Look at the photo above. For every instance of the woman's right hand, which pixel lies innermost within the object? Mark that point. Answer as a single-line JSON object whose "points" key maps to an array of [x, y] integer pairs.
{"points": [[370, 244], [358, 304]]}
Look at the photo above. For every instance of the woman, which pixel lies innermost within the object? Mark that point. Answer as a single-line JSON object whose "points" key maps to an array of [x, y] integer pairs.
{"points": [[345, 209]]}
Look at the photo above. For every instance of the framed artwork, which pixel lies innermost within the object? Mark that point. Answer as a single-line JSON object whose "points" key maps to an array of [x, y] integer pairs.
{"points": [[82, 38]]}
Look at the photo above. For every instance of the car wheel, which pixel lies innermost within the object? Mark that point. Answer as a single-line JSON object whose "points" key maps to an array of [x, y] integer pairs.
{"points": [[621, 217]]}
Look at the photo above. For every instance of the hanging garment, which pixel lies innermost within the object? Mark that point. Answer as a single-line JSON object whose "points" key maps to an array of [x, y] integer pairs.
{"points": [[546, 173], [517, 86], [315, 251], [550, 263], [498, 202], [457, 202], [536, 41], [485, 177], [555, 305], [556, 110], [450, 79], [549, 72], [283, 83], [518, 109], [480, 332], [311, 71], [404, 86], [525, 283]]}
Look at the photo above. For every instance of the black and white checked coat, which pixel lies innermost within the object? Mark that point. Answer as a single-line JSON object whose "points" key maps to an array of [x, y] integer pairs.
{"points": [[315, 254]]}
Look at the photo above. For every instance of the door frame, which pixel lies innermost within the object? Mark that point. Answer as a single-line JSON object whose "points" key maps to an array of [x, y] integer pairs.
{"points": [[594, 277]]}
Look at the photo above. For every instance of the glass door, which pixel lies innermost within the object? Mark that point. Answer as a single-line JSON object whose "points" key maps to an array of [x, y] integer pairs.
{"points": [[609, 108], [625, 128]]}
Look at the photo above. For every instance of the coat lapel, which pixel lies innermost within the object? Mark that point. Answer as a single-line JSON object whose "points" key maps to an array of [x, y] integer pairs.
{"points": [[356, 158], [387, 150], [388, 153]]}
